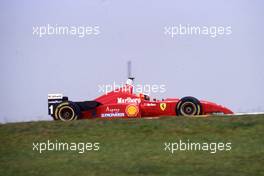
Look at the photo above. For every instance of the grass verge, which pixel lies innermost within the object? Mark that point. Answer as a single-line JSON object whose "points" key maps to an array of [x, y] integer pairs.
{"points": [[135, 147]]}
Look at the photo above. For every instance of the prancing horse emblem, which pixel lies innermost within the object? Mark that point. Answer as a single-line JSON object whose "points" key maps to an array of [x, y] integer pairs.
{"points": [[163, 106]]}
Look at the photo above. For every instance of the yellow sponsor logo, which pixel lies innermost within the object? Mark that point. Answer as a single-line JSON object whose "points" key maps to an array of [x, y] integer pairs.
{"points": [[131, 110], [163, 106]]}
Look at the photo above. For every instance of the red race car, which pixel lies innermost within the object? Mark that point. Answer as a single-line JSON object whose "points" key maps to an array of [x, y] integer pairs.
{"points": [[123, 103]]}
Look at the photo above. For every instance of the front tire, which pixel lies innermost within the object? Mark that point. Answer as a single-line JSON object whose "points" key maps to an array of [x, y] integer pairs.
{"points": [[67, 111], [188, 106]]}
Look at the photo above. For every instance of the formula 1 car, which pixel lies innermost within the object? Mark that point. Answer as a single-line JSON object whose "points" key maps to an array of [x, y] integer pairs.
{"points": [[123, 103]]}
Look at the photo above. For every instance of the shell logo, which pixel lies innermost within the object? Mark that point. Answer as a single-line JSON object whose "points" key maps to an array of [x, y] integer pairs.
{"points": [[132, 110]]}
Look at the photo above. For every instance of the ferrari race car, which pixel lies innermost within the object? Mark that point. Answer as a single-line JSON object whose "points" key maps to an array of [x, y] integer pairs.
{"points": [[123, 103]]}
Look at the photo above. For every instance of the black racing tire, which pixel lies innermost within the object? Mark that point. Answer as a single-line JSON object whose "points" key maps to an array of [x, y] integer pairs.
{"points": [[67, 111], [54, 118], [189, 106]]}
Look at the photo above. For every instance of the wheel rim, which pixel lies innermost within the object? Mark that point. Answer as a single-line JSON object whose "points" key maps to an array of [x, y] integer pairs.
{"points": [[66, 113], [188, 109]]}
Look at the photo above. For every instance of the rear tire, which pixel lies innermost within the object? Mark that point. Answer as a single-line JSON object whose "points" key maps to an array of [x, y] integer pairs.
{"points": [[67, 111], [188, 106]]}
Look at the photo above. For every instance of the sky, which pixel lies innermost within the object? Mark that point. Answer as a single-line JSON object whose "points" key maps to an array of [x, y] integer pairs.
{"points": [[227, 69]]}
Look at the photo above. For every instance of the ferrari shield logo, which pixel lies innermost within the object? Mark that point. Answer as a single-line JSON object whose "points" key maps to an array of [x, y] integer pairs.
{"points": [[163, 106]]}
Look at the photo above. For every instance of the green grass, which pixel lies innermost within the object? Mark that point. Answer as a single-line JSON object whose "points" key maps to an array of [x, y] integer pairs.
{"points": [[135, 147]]}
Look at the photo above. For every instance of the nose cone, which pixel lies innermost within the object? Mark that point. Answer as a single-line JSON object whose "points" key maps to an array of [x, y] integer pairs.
{"points": [[211, 108], [226, 110]]}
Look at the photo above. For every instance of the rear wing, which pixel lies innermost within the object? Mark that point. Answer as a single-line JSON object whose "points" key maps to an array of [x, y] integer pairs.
{"points": [[55, 97], [53, 100]]}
